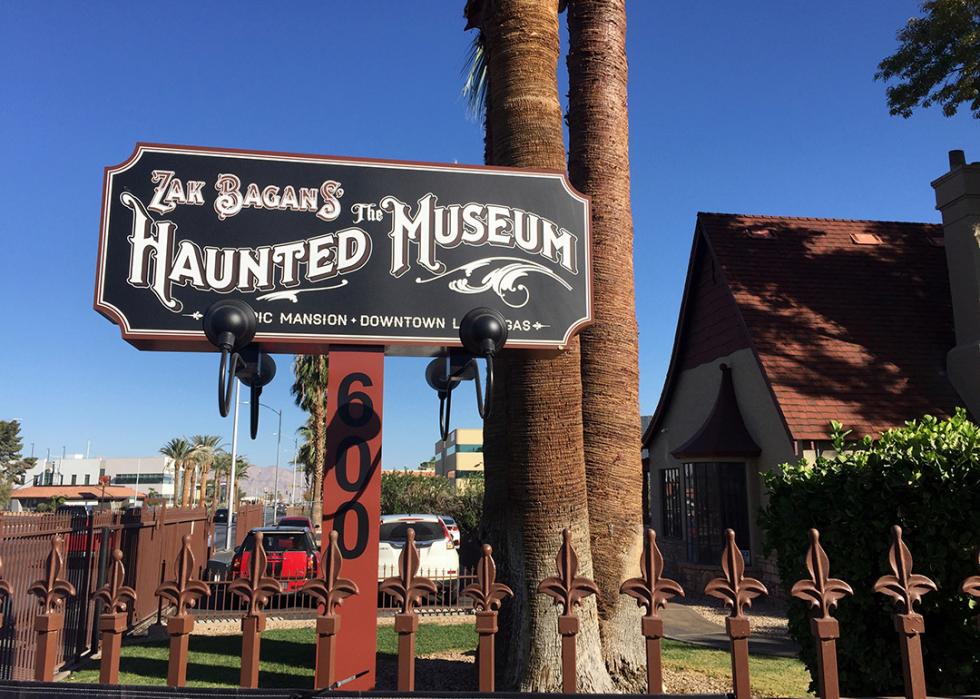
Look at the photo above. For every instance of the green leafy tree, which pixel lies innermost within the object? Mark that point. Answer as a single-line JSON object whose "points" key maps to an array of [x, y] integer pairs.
{"points": [[12, 464], [924, 477], [222, 472], [938, 61]]}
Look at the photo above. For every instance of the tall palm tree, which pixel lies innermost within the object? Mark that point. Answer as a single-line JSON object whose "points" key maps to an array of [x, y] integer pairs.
{"points": [[533, 439], [310, 392], [180, 450], [222, 472], [306, 455], [205, 448], [598, 165]]}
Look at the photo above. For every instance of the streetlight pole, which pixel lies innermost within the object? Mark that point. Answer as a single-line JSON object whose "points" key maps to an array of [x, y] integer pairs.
{"points": [[275, 487], [231, 472]]}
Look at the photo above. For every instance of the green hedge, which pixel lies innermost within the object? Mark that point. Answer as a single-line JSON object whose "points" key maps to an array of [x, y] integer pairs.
{"points": [[924, 477]]}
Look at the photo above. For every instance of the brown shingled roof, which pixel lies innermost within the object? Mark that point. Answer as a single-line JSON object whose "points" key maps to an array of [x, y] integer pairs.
{"points": [[845, 328]]}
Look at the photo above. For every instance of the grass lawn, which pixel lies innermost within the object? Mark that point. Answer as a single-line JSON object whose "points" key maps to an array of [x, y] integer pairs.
{"points": [[287, 660], [770, 676]]}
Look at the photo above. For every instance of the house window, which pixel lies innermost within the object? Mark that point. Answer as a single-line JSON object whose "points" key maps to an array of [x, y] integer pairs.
{"points": [[715, 499], [74, 479], [670, 497], [87, 477]]}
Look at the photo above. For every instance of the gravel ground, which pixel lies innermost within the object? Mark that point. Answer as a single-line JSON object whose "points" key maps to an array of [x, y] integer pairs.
{"points": [[767, 619]]}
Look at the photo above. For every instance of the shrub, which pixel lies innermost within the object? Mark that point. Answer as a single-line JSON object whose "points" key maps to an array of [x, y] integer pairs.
{"points": [[403, 493], [924, 477]]}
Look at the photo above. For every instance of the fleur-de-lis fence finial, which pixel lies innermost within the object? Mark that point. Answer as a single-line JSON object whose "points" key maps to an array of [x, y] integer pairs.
{"points": [[183, 590], [904, 586], [737, 592], [407, 587], [6, 592], [331, 590], [567, 589], [52, 590], [118, 599], [115, 594], [822, 592], [487, 595], [257, 588], [651, 591], [971, 585], [907, 589]]}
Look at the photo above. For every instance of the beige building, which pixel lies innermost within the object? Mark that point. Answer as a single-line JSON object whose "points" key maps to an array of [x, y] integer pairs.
{"points": [[789, 323], [460, 456]]}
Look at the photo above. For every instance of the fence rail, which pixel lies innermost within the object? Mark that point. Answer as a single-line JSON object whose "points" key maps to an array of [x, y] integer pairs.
{"points": [[62, 623]]}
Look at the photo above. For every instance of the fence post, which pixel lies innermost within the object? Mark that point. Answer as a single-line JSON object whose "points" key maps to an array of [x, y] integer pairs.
{"points": [[906, 589], [487, 595], [567, 589], [652, 592], [407, 588], [182, 592], [118, 599], [331, 589], [255, 590], [822, 593], [51, 592], [737, 591]]}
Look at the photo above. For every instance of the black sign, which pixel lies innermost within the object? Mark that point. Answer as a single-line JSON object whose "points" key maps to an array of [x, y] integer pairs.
{"points": [[333, 250]]}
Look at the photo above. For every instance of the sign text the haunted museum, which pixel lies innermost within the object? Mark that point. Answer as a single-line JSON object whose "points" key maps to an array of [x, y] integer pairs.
{"points": [[329, 250]]}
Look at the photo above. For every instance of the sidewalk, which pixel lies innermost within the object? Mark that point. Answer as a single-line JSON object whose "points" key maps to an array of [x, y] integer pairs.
{"points": [[684, 624]]}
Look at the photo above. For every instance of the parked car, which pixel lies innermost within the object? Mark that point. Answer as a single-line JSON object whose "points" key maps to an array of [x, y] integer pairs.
{"points": [[221, 515], [296, 521], [290, 551], [452, 527], [438, 556]]}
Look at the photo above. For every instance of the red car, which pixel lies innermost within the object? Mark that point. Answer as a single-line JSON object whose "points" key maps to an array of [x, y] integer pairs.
{"points": [[296, 521], [290, 552]]}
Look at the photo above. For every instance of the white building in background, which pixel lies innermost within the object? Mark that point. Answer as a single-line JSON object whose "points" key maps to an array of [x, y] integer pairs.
{"points": [[143, 473]]}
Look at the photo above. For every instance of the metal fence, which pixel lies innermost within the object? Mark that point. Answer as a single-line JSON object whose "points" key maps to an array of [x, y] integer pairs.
{"points": [[149, 539], [222, 603]]}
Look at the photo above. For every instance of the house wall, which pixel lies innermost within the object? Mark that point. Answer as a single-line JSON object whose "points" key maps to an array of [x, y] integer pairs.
{"points": [[691, 401]]}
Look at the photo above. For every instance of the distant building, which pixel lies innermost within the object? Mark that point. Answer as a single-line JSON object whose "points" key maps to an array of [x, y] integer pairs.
{"points": [[144, 473], [460, 456], [29, 497]]}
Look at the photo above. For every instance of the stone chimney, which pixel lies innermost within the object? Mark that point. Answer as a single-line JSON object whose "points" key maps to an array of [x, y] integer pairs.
{"points": [[958, 199]]}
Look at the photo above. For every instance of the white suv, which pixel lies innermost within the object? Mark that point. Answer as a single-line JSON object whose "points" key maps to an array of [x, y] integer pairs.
{"points": [[438, 556]]}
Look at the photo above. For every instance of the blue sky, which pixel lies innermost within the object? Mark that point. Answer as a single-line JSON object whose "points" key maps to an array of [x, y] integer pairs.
{"points": [[765, 107]]}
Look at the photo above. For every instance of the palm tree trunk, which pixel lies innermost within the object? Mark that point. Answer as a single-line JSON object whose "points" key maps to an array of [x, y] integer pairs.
{"points": [[598, 165], [319, 457], [185, 494], [202, 485], [539, 402]]}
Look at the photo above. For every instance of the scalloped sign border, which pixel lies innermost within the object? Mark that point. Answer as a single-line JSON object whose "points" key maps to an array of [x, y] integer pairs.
{"points": [[341, 251]]}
